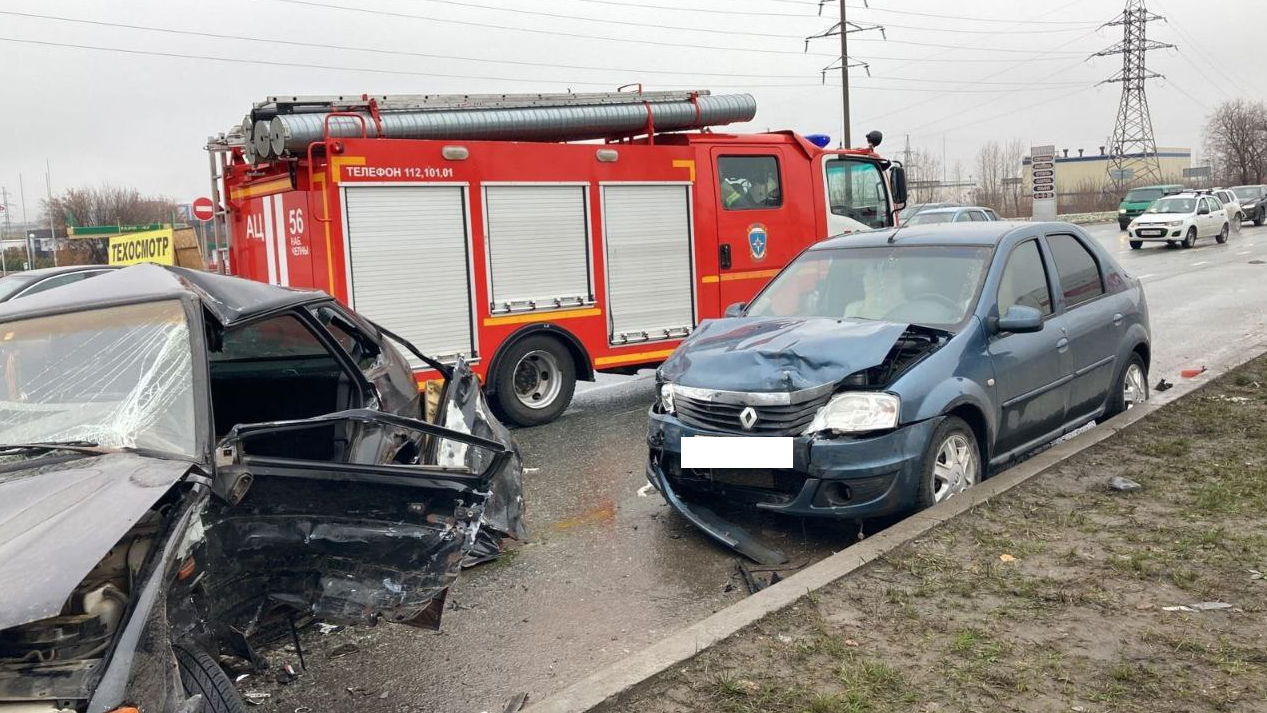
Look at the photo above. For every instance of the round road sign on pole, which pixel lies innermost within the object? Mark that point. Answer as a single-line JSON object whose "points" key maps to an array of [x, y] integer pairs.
{"points": [[204, 209]]}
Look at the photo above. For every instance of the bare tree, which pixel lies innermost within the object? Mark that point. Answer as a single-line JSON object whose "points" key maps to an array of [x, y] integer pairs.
{"points": [[990, 175], [924, 169], [1236, 141], [105, 205], [996, 164]]}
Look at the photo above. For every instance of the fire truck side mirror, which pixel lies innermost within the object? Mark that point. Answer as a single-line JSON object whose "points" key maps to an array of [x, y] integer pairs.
{"points": [[897, 181]]}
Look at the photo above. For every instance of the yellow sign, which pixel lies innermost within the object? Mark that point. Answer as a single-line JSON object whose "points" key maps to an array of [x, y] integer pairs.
{"points": [[151, 246]]}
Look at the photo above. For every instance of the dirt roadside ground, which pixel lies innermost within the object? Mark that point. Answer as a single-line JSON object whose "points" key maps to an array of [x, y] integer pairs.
{"points": [[1058, 595]]}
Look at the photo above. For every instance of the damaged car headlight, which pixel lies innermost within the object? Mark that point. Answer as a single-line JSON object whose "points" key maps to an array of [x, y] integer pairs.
{"points": [[856, 412], [666, 397]]}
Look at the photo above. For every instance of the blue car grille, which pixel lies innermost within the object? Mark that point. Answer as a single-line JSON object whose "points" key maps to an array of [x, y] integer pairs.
{"points": [[772, 419]]}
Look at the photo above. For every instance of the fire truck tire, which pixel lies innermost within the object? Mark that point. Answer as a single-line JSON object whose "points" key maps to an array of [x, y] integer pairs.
{"points": [[534, 381]]}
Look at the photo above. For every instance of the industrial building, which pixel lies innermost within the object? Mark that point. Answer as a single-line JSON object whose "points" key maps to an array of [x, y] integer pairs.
{"points": [[1080, 171]]}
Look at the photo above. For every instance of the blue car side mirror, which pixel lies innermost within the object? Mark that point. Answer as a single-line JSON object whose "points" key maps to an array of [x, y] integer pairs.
{"points": [[1020, 319], [736, 309]]}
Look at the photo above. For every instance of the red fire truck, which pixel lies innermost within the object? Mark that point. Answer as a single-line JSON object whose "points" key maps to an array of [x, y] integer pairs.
{"points": [[485, 233]]}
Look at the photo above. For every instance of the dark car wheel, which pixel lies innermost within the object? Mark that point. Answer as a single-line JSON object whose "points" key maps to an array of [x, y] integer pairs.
{"points": [[1137, 244], [200, 673], [1131, 387], [1222, 236], [1259, 216], [535, 380], [952, 463], [1190, 239]]}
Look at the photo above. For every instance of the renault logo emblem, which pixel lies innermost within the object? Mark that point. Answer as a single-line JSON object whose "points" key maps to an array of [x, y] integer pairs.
{"points": [[748, 418]]}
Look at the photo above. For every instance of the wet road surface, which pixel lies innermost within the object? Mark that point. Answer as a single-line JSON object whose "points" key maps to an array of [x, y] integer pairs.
{"points": [[610, 568]]}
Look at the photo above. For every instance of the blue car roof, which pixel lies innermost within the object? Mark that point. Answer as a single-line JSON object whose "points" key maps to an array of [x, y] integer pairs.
{"points": [[975, 233]]}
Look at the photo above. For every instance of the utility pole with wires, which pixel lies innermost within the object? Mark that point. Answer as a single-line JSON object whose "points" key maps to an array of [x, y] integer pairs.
{"points": [[1132, 147], [844, 28]]}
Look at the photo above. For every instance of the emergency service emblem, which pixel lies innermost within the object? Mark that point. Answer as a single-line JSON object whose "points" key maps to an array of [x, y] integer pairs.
{"points": [[757, 240]]}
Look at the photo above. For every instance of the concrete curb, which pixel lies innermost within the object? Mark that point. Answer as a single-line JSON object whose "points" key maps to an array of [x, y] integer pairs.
{"points": [[676, 648]]}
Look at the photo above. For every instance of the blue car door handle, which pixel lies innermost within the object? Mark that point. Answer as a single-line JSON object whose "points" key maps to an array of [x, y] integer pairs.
{"points": [[1062, 344], [1117, 319]]}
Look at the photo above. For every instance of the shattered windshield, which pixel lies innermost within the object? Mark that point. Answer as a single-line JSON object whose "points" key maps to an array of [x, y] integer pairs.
{"points": [[120, 377], [932, 285]]}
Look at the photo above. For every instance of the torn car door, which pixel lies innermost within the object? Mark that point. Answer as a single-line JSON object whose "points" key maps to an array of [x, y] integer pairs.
{"points": [[377, 530]]}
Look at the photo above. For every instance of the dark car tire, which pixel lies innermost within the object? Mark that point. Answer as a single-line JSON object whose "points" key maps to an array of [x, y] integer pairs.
{"points": [[1190, 239], [1137, 244], [1117, 398], [199, 673], [950, 428], [1259, 218], [540, 365], [1221, 238]]}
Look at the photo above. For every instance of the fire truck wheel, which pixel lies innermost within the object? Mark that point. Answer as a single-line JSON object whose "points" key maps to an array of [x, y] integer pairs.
{"points": [[534, 381]]}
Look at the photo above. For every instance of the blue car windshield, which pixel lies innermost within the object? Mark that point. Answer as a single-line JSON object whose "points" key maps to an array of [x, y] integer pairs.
{"points": [[934, 285]]}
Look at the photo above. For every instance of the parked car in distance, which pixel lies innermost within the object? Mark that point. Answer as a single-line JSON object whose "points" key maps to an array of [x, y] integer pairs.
{"points": [[1180, 219], [913, 208], [1253, 200], [888, 371], [961, 214], [30, 282], [1231, 204], [1137, 200], [189, 460]]}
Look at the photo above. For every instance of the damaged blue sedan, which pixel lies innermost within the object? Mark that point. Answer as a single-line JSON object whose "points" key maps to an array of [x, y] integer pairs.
{"points": [[886, 372]]}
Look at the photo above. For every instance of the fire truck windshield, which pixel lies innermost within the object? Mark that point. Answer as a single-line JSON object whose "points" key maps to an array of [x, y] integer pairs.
{"points": [[856, 191]]}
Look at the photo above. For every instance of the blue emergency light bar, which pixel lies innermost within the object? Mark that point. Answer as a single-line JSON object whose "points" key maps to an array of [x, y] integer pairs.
{"points": [[819, 140]]}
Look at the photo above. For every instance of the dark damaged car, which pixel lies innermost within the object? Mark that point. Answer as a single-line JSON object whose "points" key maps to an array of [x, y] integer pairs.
{"points": [[192, 459], [887, 371]]}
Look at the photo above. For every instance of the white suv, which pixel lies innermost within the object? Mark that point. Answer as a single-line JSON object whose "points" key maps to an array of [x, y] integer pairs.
{"points": [[1181, 218]]}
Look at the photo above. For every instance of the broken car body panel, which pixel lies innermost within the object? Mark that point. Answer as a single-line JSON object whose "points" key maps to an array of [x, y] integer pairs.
{"points": [[957, 365], [352, 513], [778, 353]]}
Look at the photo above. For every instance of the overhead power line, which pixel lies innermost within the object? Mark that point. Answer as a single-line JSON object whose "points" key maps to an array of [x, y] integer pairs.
{"points": [[631, 40], [461, 58], [404, 72], [556, 33]]}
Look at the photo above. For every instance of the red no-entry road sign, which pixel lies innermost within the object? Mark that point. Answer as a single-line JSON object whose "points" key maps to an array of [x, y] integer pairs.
{"points": [[203, 209]]}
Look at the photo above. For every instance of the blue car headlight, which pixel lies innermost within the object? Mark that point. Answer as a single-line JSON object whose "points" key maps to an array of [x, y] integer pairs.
{"points": [[856, 412]]}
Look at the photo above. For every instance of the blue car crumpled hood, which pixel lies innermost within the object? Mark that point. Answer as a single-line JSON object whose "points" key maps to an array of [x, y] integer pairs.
{"points": [[778, 353]]}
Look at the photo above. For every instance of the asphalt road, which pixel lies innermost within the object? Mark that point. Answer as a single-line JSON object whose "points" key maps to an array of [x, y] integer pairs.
{"points": [[610, 569]]}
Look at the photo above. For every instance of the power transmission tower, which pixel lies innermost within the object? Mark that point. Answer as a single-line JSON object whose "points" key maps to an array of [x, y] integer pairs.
{"points": [[843, 29], [1132, 148]]}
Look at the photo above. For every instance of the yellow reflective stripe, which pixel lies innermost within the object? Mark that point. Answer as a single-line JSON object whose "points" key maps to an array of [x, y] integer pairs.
{"points": [[277, 185], [687, 164], [630, 358], [541, 316], [339, 162], [732, 276]]}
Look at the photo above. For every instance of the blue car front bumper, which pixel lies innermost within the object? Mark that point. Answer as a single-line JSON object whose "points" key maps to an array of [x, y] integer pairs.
{"points": [[843, 477]]}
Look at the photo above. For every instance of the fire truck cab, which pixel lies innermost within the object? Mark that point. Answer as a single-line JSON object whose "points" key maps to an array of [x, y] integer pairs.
{"points": [[540, 262]]}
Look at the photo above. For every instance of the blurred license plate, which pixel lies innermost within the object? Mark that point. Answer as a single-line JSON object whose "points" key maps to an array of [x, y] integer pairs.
{"points": [[1151, 233], [737, 452]]}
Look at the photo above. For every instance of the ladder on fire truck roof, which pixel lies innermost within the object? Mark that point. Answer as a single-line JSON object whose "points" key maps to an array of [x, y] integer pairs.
{"points": [[422, 102]]}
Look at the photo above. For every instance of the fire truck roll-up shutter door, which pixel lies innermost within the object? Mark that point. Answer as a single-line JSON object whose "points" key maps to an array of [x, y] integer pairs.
{"points": [[408, 265], [647, 234], [538, 254]]}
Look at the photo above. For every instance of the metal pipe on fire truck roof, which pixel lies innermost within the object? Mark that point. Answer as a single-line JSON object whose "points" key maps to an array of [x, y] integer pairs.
{"points": [[292, 133]]}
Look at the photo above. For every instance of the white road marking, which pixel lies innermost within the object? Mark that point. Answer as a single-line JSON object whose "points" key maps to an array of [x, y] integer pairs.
{"points": [[1243, 252], [1203, 262], [1145, 277]]}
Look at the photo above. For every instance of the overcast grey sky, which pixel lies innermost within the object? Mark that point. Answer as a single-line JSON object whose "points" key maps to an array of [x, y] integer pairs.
{"points": [[961, 72]]}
